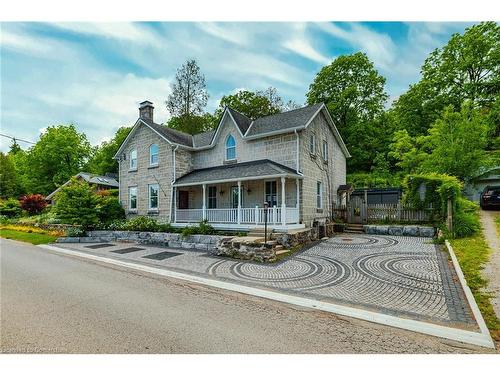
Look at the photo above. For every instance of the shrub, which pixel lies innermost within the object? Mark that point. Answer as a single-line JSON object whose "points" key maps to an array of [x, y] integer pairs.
{"points": [[10, 208], [76, 203], [202, 228], [109, 209], [33, 203], [466, 219], [75, 232]]}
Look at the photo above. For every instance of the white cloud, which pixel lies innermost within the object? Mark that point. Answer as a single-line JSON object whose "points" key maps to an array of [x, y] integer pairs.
{"points": [[128, 32], [303, 48], [378, 46], [233, 33]]}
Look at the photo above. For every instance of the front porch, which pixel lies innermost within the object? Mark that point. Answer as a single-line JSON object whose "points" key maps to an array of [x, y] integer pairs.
{"points": [[238, 203]]}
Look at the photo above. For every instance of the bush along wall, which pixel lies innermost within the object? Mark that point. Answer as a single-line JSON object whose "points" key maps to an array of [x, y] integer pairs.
{"points": [[425, 190]]}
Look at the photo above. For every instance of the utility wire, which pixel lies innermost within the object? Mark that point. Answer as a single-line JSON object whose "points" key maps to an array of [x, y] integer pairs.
{"points": [[16, 139]]}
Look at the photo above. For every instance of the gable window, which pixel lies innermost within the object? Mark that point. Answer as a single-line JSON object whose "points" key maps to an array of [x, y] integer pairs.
{"points": [[319, 195], [325, 150], [133, 159], [153, 154], [153, 196], [230, 148], [132, 198], [212, 197], [312, 143]]}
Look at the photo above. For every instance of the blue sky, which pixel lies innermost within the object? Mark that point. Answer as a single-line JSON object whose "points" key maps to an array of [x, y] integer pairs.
{"points": [[94, 74]]}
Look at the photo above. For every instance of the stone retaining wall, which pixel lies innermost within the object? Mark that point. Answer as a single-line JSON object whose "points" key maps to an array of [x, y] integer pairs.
{"points": [[248, 250], [400, 230], [195, 241], [298, 237]]}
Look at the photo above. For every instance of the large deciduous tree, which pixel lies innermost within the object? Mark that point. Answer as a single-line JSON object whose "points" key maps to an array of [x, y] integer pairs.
{"points": [[467, 68], [188, 99], [60, 153], [8, 177], [353, 91], [102, 161]]}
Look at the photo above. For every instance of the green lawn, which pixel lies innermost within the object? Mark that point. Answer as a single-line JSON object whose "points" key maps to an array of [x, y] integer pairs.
{"points": [[472, 253], [34, 238]]}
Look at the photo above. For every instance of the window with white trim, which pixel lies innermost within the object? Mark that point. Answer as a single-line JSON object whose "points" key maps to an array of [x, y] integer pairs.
{"points": [[230, 148], [132, 198], [153, 154], [319, 194], [325, 150], [153, 196], [133, 159], [312, 143]]}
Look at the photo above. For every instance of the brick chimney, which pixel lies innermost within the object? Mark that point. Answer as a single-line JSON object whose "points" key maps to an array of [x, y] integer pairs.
{"points": [[146, 110]]}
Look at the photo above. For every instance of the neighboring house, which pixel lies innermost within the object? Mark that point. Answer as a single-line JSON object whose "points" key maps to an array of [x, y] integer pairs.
{"points": [[475, 186], [295, 161], [101, 182]]}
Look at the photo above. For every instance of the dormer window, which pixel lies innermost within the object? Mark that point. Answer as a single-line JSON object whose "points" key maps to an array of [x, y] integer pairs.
{"points": [[230, 148], [133, 159], [153, 154]]}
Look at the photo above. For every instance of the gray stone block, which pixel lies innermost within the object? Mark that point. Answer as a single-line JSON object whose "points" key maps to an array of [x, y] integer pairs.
{"points": [[68, 240], [188, 245], [410, 230], [427, 231], [395, 230], [201, 246], [174, 244]]}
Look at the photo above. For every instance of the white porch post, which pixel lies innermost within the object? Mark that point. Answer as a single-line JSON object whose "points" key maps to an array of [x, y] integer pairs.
{"points": [[239, 202], [175, 204], [283, 203], [204, 201], [256, 215], [297, 198]]}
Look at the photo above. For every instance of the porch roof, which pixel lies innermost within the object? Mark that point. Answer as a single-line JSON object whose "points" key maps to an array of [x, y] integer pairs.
{"points": [[252, 170]]}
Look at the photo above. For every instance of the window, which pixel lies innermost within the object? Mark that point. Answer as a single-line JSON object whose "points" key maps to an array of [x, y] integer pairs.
{"points": [[230, 148], [153, 154], [212, 197], [271, 197], [133, 159], [312, 143], [319, 195], [132, 198], [153, 196], [325, 150]]}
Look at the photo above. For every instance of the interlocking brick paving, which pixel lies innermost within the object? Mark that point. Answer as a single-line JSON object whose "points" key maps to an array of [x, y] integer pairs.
{"points": [[403, 276]]}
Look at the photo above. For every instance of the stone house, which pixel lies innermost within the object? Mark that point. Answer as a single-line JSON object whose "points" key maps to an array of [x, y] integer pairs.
{"points": [[293, 162]]}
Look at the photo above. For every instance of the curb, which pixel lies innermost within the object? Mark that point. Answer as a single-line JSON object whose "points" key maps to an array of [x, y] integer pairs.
{"points": [[469, 337]]}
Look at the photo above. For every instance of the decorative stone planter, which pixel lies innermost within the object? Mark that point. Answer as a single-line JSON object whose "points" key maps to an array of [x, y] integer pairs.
{"points": [[240, 249]]}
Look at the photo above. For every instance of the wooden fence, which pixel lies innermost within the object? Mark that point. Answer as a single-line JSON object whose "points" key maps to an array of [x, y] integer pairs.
{"points": [[397, 212]]}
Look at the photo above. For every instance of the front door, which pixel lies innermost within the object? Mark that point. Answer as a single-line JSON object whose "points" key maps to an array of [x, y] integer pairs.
{"points": [[183, 199], [271, 196]]}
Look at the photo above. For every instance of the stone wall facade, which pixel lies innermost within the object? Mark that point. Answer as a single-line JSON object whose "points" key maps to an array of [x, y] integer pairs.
{"points": [[400, 230], [315, 169]]}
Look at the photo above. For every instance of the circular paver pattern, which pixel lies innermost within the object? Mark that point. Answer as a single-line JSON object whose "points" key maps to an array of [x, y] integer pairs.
{"points": [[400, 274]]}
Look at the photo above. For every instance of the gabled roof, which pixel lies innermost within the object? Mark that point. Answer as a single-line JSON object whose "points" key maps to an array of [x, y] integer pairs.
{"points": [[279, 123], [243, 171], [242, 121], [175, 136], [282, 121], [91, 179]]}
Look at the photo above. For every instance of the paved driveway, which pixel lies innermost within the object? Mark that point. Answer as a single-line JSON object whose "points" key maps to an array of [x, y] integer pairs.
{"points": [[402, 276]]}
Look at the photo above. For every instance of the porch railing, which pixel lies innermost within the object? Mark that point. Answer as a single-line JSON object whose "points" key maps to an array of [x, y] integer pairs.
{"points": [[248, 215]]}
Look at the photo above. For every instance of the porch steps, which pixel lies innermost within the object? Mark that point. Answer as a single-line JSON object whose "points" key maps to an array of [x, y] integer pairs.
{"points": [[354, 228]]}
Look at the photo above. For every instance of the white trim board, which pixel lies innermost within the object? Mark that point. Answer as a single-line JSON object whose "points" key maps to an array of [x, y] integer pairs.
{"points": [[475, 338]]}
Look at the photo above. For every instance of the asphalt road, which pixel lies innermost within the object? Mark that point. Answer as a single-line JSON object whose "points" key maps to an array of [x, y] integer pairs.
{"points": [[52, 303]]}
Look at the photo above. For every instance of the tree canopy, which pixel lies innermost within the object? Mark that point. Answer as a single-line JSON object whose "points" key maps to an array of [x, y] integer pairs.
{"points": [[102, 161]]}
